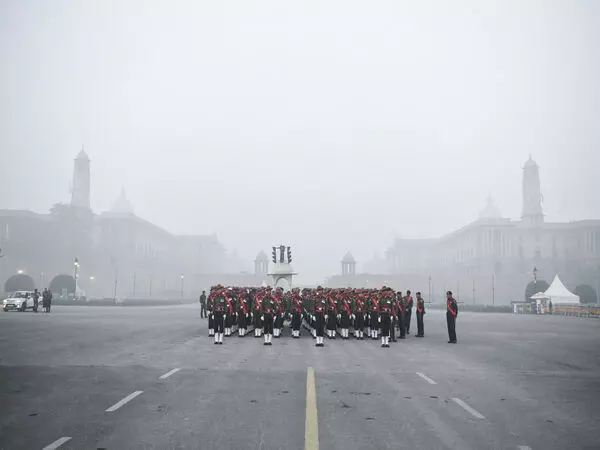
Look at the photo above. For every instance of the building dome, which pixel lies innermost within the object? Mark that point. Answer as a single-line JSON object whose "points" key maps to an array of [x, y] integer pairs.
{"points": [[261, 256], [530, 163], [490, 211], [122, 204], [82, 155], [348, 258]]}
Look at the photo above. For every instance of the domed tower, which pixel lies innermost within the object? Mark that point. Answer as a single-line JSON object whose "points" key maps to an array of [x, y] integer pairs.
{"points": [[532, 197], [80, 192], [122, 205], [490, 211], [261, 263], [348, 264]]}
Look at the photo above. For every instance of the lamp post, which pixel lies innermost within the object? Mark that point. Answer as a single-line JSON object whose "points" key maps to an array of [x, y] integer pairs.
{"points": [[76, 266], [473, 290], [181, 278], [92, 278], [493, 288], [150, 286], [429, 297]]}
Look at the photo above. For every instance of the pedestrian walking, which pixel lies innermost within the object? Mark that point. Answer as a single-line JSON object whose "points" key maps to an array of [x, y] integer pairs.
{"points": [[420, 314]]}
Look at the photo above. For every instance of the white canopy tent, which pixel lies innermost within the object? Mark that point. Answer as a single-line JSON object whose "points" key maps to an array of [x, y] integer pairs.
{"points": [[539, 296], [560, 295]]}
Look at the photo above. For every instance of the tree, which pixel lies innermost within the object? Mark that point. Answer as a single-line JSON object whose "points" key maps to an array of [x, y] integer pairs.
{"points": [[63, 281], [534, 287], [20, 282], [586, 294]]}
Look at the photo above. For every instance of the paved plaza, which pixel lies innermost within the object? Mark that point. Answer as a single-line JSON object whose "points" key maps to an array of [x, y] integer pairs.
{"points": [[150, 377]]}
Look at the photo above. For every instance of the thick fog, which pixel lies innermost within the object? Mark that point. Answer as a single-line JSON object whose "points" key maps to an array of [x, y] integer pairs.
{"points": [[329, 125]]}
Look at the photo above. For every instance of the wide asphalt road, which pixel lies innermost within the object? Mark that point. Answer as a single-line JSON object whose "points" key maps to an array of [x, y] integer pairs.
{"points": [[149, 377]]}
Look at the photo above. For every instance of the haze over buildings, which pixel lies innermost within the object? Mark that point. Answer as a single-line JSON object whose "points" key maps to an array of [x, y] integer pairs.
{"points": [[327, 125]]}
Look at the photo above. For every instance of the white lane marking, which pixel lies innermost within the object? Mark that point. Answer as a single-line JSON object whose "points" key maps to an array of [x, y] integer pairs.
{"points": [[467, 408], [169, 373], [57, 443], [426, 378], [124, 401], [523, 447]]}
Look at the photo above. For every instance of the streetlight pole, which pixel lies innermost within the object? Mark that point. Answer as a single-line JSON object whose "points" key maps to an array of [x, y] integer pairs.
{"points": [[473, 290], [493, 288], [76, 276], [150, 286], [134, 276], [429, 289], [116, 282], [181, 277]]}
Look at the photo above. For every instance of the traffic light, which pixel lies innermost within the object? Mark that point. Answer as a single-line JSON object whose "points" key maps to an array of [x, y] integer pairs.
{"points": [[274, 255], [289, 252]]}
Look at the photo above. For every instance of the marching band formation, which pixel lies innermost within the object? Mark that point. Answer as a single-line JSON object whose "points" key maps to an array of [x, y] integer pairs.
{"points": [[376, 313]]}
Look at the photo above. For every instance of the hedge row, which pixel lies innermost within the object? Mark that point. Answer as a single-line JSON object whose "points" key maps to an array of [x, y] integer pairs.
{"points": [[121, 302], [477, 308]]}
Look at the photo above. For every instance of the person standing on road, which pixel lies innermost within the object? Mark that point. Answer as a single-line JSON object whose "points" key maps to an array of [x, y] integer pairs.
{"points": [[319, 317], [297, 310], [358, 313], [385, 316], [203, 305], [451, 313], [36, 300], [420, 314], [211, 313], [268, 308], [46, 300], [408, 306], [400, 306], [220, 303]]}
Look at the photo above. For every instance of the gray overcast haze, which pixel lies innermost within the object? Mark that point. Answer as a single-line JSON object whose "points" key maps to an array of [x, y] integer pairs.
{"points": [[331, 125]]}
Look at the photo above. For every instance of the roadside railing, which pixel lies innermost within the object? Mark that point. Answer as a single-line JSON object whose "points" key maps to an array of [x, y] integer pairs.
{"points": [[577, 311]]}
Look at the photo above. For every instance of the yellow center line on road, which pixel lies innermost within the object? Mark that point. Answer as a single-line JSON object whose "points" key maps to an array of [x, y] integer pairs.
{"points": [[311, 426]]}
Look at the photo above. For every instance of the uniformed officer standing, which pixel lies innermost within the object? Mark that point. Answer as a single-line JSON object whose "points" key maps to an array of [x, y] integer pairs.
{"points": [[408, 306], [257, 314], [385, 318], [243, 313], [268, 307], [331, 316], [358, 312], [400, 306], [319, 318], [374, 319], [420, 314], [345, 315], [211, 313], [220, 304], [451, 314], [296, 313], [278, 312]]}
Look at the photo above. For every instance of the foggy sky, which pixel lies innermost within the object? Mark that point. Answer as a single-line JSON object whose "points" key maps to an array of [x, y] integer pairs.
{"points": [[331, 125]]}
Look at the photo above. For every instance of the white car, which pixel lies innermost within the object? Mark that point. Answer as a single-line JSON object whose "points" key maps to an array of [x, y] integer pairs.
{"points": [[20, 300]]}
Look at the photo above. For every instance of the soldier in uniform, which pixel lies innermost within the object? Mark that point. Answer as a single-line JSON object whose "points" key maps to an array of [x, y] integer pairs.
{"points": [[319, 317], [243, 313], [229, 312], [420, 314], [408, 306], [394, 317], [220, 304], [451, 314], [331, 316], [211, 309], [268, 308], [257, 314], [385, 315], [345, 314], [278, 312], [358, 313], [400, 306], [374, 319], [296, 313]]}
